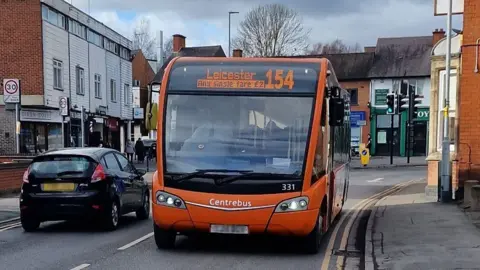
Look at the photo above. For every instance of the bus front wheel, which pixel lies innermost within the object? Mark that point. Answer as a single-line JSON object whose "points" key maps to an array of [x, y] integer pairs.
{"points": [[164, 239], [311, 242]]}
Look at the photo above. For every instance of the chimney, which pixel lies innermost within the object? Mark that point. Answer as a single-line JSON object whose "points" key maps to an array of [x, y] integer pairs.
{"points": [[369, 49], [178, 42], [237, 53], [438, 34]]}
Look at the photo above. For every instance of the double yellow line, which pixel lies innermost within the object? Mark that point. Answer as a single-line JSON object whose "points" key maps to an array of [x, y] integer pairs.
{"points": [[357, 208]]}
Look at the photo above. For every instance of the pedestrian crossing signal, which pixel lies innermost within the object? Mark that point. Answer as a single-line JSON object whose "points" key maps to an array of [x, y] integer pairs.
{"points": [[391, 103]]}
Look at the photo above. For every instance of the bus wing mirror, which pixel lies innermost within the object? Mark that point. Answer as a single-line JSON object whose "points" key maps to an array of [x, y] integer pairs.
{"points": [[336, 111]]}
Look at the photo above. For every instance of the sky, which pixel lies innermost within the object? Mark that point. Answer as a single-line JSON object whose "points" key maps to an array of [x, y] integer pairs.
{"points": [[205, 22]]}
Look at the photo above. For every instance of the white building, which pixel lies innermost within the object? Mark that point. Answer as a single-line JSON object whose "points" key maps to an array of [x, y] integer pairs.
{"points": [[90, 64]]}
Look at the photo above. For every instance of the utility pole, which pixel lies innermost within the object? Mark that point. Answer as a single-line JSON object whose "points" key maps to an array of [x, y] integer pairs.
{"points": [[446, 194], [229, 31]]}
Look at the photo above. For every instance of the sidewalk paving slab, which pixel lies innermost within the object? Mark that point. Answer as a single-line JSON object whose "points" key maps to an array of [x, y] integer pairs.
{"points": [[408, 231]]}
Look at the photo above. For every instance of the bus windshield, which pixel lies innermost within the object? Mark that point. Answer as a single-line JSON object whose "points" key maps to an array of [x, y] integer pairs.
{"points": [[262, 134]]}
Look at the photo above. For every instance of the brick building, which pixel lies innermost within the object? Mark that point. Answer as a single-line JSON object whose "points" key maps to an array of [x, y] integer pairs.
{"points": [[467, 165], [56, 50], [25, 62], [143, 73]]}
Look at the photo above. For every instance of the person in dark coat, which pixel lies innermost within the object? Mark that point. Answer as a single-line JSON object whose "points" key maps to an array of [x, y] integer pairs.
{"points": [[140, 150]]}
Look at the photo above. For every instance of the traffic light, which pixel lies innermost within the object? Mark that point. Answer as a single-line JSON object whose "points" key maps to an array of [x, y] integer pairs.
{"points": [[391, 103], [402, 103], [416, 101]]}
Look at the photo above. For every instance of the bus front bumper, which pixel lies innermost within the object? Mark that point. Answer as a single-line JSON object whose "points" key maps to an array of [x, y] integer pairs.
{"points": [[200, 218]]}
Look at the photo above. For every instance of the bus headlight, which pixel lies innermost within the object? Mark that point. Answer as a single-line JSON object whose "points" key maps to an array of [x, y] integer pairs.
{"points": [[170, 200], [290, 205]]}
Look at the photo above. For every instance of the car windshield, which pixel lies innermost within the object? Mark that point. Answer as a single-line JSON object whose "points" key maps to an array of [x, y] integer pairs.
{"points": [[263, 134], [62, 165]]}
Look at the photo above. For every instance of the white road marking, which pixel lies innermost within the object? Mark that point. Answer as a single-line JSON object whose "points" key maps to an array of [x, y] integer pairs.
{"points": [[375, 180], [143, 238], [10, 226], [81, 266]]}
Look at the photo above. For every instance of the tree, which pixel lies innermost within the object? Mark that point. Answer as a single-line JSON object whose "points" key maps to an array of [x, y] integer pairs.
{"points": [[271, 30], [142, 39], [168, 48], [336, 46]]}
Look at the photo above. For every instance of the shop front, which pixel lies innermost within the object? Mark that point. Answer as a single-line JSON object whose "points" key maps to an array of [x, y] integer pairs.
{"points": [[111, 132], [40, 130], [383, 135], [357, 122]]}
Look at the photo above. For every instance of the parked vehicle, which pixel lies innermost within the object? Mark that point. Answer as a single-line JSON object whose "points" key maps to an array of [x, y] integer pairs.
{"points": [[78, 183]]}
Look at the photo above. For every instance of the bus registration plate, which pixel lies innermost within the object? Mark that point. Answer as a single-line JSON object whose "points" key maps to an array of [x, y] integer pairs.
{"points": [[229, 229]]}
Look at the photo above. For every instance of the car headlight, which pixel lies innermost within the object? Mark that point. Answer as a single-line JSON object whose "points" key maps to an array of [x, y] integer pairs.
{"points": [[170, 200], [291, 205]]}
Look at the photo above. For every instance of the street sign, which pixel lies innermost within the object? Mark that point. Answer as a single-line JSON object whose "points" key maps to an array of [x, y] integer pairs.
{"points": [[11, 90], [63, 105]]}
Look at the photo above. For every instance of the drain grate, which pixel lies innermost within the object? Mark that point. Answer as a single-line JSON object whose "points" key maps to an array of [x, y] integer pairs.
{"points": [[348, 253]]}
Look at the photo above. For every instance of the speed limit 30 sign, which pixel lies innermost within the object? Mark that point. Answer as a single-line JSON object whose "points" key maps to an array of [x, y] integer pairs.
{"points": [[11, 90]]}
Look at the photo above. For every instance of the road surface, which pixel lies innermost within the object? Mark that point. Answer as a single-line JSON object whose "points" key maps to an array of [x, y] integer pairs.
{"points": [[63, 245]]}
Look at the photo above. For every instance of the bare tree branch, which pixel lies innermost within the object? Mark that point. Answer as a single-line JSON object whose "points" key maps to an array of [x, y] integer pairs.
{"points": [[143, 40], [271, 30], [336, 46], [168, 48]]}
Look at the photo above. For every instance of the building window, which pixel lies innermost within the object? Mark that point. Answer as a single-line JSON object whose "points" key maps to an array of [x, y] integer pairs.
{"points": [[113, 90], [77, 29], [126, 94], [111, 46], [125, 53], [98, 93], [95, 38], [80, 73], [451, 111], [353, 96], [57, 74], [53, 17]]}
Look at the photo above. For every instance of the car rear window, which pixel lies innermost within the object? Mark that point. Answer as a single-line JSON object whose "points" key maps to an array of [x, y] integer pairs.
{"points": [[77, 166]]}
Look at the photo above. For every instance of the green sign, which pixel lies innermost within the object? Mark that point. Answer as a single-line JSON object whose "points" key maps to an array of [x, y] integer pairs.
{"points": [[381, 97], [423, 114]]}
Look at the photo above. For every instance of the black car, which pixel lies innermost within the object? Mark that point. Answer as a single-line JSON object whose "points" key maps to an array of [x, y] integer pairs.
{"points": [[82, 183]]}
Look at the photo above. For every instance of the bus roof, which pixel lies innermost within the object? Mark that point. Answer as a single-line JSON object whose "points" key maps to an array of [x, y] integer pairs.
{"points": [[281, 75], [181, 59]]}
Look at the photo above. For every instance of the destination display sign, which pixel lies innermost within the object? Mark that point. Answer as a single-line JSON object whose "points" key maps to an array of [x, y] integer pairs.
{"points": [[244, 76]]}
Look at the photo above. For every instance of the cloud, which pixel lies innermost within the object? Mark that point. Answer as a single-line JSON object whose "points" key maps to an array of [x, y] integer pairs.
{"points": [[205, 22]]}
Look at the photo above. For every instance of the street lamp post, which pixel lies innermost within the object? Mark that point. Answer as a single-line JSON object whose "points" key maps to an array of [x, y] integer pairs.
{"points": [[229, 30], [445, 179]]}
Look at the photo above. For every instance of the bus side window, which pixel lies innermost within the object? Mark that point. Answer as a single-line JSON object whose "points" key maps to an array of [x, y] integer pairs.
{"points": [[320, 155]]}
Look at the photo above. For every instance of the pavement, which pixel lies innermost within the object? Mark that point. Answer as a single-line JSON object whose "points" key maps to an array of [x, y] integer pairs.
{"points": [[64, 245], [406, 231], [380, 162]]}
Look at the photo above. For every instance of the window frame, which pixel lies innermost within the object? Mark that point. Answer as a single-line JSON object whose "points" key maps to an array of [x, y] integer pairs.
{"points": [[80, 80], [113, 90], [57, 74], [97, 85]]}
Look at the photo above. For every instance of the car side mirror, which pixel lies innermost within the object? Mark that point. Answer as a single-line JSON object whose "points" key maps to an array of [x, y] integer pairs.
{"points": [[141, 172], [336, 111]]}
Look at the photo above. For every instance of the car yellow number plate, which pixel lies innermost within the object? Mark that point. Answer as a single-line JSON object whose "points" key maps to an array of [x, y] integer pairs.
{"points": [[58, 187]]}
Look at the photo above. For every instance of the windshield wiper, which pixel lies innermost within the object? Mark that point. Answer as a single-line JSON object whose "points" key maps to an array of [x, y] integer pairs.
{"points": [[68, 172], [198, 173], [267, 176]]}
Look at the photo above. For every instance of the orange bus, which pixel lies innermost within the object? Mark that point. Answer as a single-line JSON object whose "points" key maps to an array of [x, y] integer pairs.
{"points": [[250, 146]]}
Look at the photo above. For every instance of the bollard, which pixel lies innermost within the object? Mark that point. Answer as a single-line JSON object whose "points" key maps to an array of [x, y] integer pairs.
{"points": [[475, 193], [467, 191]]}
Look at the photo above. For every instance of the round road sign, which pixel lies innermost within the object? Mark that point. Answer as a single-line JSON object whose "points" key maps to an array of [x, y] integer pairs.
{"points": [[63, 102], [11, 87]]}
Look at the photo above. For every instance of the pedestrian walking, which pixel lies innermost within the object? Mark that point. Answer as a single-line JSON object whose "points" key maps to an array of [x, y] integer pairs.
{"points": [[130, 149]]}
